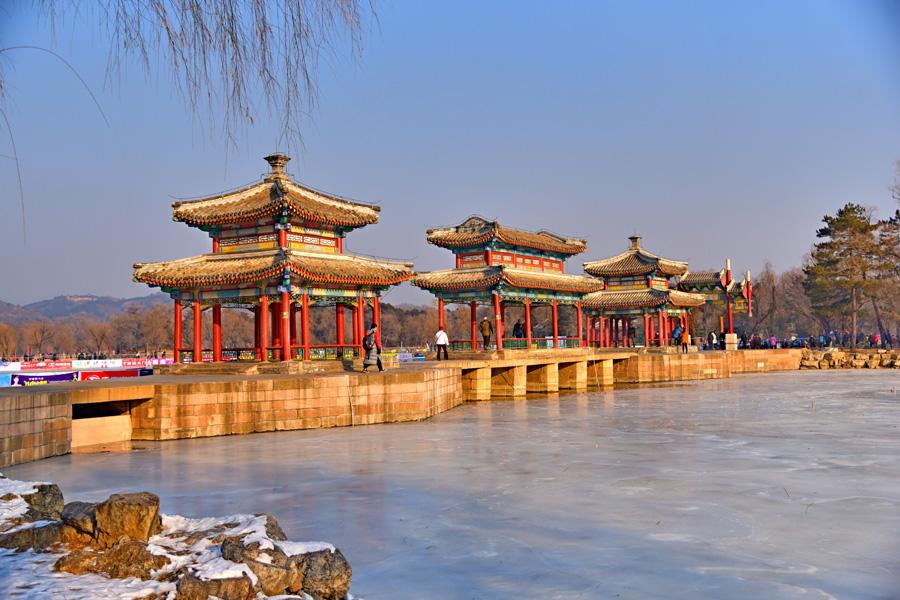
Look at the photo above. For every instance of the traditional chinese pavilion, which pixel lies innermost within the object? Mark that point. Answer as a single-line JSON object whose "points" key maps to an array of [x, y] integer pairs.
{"points": [[277, 250], [499, 266], [720, 288], [638, 287]]}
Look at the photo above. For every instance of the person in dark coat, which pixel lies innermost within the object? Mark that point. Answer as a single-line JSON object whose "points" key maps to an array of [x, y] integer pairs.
{"points": [[487, 330], [518, 330], [372, 348]]}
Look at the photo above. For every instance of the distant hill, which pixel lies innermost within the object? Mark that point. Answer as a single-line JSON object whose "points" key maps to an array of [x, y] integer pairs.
{"points": [[12, 313], [87, 305]]}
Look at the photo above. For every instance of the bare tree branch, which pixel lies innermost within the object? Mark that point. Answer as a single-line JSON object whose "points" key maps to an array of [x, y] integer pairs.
{"points": [[228, 54]]}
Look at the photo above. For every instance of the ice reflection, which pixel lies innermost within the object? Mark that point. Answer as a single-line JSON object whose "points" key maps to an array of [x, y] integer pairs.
{"points": [[761, 486]]}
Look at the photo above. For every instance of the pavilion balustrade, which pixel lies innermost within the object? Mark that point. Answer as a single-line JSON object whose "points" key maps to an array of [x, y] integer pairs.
{"points": [[503, 327], [276, 332]]}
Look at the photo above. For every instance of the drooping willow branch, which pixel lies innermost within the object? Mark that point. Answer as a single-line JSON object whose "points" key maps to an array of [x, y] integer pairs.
{"points": [[231, 55]]}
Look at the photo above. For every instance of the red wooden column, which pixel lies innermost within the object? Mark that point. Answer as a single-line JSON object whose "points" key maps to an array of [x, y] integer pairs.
{"points": [[604, 331], [440, 313], [582, 340], [275, 318], [555, 310], [256, 332], [264, 327], [361, 324], [176, 345], [376, 318], [217, 332], [601, 339], [304, 324], [354, 318], [687, 323], [339, 323], [293, 319], [527, 324], [498, 321], [285, 325], [198, 332], [473, 310], [662, 330], [646, 330]]}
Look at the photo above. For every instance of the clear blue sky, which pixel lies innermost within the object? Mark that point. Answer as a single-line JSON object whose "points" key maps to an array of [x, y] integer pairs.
{"points": [[711, 128]]}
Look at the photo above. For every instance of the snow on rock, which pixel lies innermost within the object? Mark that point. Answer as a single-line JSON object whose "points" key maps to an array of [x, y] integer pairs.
{"points": [[12, 504], [258, 552], [295, 548]]}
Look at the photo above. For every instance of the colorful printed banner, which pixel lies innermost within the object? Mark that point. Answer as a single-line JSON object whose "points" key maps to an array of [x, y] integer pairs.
{"points": [[5, 379], [20, 379]]}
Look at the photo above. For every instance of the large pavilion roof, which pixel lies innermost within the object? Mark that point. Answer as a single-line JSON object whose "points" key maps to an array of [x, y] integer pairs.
{"points": [[478, 231], [642, 298], [269, 197], [247, 267], [693, 279], [635, 261], [487, 277]]}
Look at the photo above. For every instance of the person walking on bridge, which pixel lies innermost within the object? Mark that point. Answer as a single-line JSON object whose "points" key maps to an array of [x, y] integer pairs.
{"points": [[373, 350], [487, 330], [441, 342], [685, 340]]}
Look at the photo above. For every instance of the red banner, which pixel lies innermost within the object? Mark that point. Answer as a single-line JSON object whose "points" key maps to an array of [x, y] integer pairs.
{"points": [[48, 364], [94, 375]]}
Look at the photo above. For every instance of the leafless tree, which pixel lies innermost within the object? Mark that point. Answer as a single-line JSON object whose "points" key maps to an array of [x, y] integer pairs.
{"points": [[38, 335], [9, 340], [94, 336]]}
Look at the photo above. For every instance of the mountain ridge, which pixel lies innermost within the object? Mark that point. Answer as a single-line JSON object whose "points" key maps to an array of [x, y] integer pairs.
{"points": [[75, 305]]}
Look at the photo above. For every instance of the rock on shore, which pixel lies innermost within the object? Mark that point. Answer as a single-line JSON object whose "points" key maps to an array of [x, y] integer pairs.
{"points": [[840, 359], [124, 548]]}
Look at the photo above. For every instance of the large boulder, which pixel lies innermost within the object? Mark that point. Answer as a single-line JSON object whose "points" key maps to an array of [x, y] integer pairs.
{"points": [[326, 574], [191, 587], [127, 558], [133, 515], [45, 503]]}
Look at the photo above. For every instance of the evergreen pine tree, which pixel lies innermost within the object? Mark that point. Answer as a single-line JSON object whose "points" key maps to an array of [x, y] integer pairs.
{"points": [[841, 267]]}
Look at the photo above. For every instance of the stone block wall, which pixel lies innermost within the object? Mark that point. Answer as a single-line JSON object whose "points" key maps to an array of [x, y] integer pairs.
{"points": [[759, 361], [35, 425], [653, 367], [188, 410]]}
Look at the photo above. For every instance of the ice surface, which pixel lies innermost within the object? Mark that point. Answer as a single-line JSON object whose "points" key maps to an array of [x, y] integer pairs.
{"points": [[760, 486]]}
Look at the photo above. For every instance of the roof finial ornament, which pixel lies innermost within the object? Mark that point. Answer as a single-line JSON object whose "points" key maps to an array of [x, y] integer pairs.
{"points": [[635, 241], [277, 161]]}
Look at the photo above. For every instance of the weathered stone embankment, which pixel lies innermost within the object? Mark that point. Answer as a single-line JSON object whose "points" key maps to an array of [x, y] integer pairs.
{"points": [[840, 359], [154, 556]]}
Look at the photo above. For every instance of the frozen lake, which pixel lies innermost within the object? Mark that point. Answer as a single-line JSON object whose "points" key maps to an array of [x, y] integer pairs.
{"points": [[760, 486]]}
